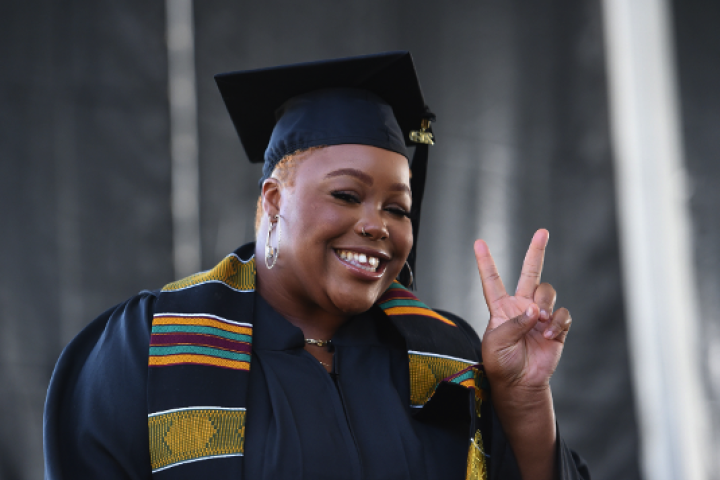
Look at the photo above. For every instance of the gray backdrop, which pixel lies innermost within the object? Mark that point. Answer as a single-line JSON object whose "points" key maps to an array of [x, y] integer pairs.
{"points": [[519, 90], [698, 58]]}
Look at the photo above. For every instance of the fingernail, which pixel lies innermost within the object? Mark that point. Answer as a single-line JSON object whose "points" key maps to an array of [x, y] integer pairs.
{"points": [[549, 333], [529, 312], [544, 314]]}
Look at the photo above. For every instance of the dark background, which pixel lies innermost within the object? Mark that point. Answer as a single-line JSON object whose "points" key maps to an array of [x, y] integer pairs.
{"points": [[520, 93]]}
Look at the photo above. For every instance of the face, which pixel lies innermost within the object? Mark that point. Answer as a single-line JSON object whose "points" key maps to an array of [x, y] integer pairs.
{"points": [[345, 227]]}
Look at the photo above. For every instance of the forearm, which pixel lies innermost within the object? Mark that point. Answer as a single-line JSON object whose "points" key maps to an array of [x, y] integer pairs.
{"points": [[528, 419]]}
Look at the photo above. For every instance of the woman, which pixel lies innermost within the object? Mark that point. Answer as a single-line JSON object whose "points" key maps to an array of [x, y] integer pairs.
{"points": [[299, 355]]}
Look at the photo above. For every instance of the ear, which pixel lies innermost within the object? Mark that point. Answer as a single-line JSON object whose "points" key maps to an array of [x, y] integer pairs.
{"points": [[271, 192]]}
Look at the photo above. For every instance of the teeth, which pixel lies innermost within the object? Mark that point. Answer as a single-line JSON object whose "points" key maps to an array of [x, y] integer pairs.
{"points": [[361, 260]]}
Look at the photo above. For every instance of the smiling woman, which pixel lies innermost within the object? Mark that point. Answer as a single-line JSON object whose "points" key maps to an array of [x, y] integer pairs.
{"points": [[345, 198], [301, 355]]}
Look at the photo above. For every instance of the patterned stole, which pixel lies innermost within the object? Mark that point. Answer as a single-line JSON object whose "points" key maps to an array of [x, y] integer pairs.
{"points": [[439, 353], [199, 362]]}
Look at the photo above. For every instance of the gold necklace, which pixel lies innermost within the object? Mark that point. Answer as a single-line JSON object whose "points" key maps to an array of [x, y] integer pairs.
{"points": [[317, 343]]}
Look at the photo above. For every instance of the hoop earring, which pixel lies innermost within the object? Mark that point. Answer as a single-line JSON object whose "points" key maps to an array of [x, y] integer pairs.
{"points": [[412, 277], [270, 252]]}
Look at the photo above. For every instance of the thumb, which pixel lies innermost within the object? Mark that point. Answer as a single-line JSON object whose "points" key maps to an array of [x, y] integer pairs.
{"points": [[516, 328]]}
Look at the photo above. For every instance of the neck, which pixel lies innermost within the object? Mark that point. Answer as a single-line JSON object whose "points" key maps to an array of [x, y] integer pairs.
{"points": [[314, 321]]}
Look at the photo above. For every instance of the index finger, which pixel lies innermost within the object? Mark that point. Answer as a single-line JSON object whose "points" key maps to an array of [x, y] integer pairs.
{"points": [[533, 265], [492, 284]]}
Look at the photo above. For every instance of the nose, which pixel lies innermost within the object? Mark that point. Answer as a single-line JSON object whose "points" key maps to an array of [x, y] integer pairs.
{"points": [[372, 227]]}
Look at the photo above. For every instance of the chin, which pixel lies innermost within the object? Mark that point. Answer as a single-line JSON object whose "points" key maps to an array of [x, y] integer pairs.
{"points": [[355, 299]]}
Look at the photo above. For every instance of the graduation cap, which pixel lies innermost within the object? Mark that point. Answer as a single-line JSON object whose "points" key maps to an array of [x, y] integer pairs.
{"points": [[370, 100]]}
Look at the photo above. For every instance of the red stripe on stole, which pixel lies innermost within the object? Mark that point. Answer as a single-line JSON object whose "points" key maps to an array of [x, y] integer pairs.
{"points": [[396, 294], [168, 339]]}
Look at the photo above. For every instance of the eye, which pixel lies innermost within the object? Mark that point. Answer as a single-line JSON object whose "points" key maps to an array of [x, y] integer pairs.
{"points": [[346, 197], [400, 212]]}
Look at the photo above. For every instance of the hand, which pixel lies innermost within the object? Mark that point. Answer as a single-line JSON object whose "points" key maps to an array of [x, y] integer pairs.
{"points": [[521, 349], [524, 338]]}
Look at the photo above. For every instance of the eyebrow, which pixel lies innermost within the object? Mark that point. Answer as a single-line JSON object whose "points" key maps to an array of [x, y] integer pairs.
{"points": [[400, 187], [362, 176], [367, 179]]}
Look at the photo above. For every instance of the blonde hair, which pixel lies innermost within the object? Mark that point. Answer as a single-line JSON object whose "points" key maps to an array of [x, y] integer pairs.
{"points": [[284, 172]]}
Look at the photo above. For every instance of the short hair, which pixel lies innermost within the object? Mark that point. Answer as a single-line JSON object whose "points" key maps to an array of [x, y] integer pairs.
{"points": [[284, 172]]}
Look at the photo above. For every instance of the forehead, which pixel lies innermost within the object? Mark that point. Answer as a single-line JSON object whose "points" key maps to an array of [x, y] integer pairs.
{"points": [[359, 161]]}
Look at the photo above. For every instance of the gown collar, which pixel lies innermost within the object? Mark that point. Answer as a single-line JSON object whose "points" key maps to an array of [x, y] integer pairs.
{"points": [[272, 331]]}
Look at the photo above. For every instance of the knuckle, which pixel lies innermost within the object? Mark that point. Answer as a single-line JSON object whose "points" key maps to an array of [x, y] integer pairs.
{"points": [[492, 276], [498, 301], [531, 272], [529, 295], [519, 320]]}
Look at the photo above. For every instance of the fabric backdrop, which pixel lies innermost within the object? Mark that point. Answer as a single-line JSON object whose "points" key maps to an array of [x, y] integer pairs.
{"points": [[519, 89]]}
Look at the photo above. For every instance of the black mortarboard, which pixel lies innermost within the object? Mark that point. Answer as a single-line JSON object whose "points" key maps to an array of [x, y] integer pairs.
{"points": [[372, 100]]}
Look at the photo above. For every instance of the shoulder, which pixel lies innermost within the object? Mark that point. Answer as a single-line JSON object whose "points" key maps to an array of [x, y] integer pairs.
{"points": [[426, 329], [117, 331], [110, 348], [464, 327], [96, 413]]}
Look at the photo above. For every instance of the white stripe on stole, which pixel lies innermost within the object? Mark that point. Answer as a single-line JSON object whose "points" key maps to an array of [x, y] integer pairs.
{"points": [[197, 460], [448, 357], [202, 315], [185, 409]]}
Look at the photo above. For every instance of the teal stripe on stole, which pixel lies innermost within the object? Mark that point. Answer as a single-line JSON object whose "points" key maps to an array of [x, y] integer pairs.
{"points": [[202, 330], [465, 376], [404, 302], [197, 350]]}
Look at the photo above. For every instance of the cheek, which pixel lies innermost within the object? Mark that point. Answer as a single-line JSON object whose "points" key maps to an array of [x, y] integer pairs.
{"points": [[403, 238], [313, 222], [320, 219]]}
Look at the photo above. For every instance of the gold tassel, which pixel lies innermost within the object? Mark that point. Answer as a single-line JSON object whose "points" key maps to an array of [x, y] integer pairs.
{"points": [[476, 467]]}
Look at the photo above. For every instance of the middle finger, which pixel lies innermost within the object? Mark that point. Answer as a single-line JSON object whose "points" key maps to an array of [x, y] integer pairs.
{"points": [[533, 265]]}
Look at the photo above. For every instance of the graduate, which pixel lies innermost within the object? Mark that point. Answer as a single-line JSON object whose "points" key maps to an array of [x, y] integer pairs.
{"points": [[305, 354]]}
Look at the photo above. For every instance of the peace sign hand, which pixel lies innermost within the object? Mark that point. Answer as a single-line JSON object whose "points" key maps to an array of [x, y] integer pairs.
{"points": [[524, 339]]}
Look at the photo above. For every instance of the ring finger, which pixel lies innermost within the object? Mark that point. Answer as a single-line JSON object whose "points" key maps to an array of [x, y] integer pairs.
{"points": [[545, 297]]}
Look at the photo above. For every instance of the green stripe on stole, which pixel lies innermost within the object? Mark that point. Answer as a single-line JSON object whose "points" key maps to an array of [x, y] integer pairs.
{"points": [[218, 432]]}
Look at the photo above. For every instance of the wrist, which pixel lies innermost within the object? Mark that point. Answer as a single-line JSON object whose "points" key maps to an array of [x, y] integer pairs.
{"points": [[520, 394], [522, 401]]}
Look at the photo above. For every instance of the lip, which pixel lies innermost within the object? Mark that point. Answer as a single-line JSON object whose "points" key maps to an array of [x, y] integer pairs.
{"points": [[383, 257]]}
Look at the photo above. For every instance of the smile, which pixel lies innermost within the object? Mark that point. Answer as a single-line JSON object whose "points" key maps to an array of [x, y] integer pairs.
{"points": [[360, 260]]}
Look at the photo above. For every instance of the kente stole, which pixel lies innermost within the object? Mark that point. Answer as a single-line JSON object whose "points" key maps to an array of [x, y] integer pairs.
{"points": [[200, 357]]}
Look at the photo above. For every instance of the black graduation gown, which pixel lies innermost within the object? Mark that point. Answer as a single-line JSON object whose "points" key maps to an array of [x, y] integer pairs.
{"points": [[302, 422]]}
